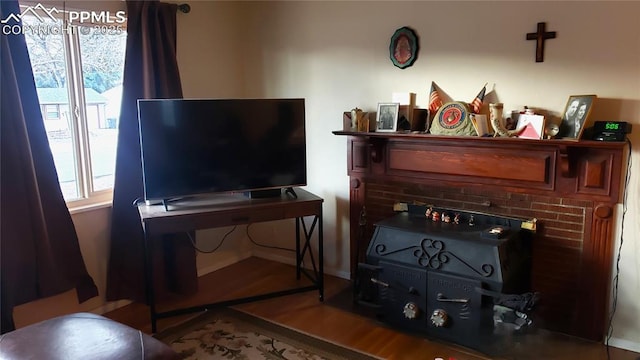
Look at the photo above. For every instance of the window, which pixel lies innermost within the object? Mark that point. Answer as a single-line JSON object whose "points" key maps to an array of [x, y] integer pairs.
{"points": [[52, 112], [78, 71]]}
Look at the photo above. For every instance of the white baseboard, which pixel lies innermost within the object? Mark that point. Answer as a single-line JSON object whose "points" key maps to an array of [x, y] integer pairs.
{"points": [[275, 257], [291, 261], [339, 273], [625, 344]]}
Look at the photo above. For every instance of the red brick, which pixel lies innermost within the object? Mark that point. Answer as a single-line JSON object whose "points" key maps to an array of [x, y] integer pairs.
{"points": [[521, 213], [546, 199], [570, 231], [557, 208], [579, 219], [579, 203]]}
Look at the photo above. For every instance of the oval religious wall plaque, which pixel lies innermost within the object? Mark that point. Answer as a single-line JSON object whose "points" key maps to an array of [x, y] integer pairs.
{"points": [[403, 49]]}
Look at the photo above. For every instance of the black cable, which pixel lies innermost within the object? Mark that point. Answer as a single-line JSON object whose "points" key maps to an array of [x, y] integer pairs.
{"points": [[265, 246], [193, 242], [615, 278]]}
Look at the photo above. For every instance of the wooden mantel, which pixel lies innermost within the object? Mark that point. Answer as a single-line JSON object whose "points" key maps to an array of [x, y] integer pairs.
{"points": [[570, 186]]}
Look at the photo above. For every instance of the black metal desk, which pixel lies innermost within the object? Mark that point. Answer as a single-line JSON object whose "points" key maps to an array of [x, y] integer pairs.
{"points": [[235, 209]]}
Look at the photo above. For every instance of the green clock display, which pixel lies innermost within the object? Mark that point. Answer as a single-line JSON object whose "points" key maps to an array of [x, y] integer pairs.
{"points": [[612, 126], [611, 130]]}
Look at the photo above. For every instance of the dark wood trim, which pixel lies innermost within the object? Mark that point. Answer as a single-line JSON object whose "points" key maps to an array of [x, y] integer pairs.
{"points": [[588, 170], [495, 141]]}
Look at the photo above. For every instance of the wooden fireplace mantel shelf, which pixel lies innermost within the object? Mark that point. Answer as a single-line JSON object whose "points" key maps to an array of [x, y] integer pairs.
{"points": [[558, 174], [568, 143], [581, 169]]}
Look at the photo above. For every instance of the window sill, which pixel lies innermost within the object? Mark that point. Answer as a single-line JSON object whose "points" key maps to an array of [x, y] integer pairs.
{"points": [[89, 207]]}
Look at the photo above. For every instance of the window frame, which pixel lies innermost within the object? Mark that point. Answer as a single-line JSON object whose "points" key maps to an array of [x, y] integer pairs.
{"points": [[88, 198]]}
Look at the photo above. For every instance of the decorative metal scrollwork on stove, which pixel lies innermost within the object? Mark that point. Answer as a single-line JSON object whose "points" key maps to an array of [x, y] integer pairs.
{"points": [[433, 255], [381, 249]]}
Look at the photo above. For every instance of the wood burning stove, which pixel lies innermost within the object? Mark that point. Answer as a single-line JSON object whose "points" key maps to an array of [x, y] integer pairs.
{"points": [[453, 275]]}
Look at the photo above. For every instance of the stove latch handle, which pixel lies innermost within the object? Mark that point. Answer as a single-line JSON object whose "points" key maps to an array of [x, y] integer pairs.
{"points": [[381, 283], [442, 298]]}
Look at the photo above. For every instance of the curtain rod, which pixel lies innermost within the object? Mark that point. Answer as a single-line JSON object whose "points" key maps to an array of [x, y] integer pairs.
{"points": [[185, 8]]}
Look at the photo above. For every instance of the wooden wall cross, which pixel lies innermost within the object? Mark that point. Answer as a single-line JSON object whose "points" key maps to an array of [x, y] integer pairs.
{"points": [[540, 36]]}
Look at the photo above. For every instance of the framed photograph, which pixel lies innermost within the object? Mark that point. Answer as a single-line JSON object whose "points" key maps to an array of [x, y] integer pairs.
{"points": [[575, 115], [403, 49], [387, 116]]}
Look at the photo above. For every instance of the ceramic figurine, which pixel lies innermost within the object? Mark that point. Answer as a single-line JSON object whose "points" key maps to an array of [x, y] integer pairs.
{"points": [[495, 115], [355, 115], [446, 218], [428, 212], [435, 216]]}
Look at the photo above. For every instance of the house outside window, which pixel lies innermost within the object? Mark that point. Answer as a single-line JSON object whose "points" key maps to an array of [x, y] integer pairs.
{"points": [[78, 73], [51, 111]]}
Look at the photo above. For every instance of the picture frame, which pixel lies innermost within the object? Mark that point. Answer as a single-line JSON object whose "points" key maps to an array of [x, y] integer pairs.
{"points": [[403, 48], [387, 117], [575, 115]]}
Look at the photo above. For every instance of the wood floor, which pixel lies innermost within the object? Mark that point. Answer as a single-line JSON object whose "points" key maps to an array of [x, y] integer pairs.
{"points": [[337, 320]]}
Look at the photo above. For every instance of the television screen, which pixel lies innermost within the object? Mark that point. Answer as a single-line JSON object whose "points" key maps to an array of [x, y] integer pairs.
{"points": [[198, 146]]}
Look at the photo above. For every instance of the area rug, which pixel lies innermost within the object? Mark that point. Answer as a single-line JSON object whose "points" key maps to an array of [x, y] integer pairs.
{"points": [[231, 334]]}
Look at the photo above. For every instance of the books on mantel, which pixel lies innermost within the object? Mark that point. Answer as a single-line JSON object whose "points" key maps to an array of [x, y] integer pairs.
{"points": [[480, 124]]}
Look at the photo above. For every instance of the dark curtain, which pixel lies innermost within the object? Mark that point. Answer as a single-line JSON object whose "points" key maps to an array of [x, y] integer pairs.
{"points": [[151, 71], [39, 251]]}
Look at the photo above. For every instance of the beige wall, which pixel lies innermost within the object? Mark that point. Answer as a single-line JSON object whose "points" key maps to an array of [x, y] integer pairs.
{"points": [[335, 54]]}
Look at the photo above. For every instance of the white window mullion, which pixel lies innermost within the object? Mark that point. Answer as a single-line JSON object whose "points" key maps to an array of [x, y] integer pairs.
{"points": [[78, 108]]}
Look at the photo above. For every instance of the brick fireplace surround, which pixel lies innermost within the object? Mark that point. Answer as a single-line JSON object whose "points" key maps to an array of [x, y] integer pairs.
{"points": [[570, 187]]}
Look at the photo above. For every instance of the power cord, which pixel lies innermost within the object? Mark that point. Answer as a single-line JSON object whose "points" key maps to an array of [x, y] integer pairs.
{"points": [[616, 277], [193, 242], [265, 246], [224, 238]]}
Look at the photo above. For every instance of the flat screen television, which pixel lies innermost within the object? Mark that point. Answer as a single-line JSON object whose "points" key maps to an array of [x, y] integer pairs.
{"points": [[200, 146]]}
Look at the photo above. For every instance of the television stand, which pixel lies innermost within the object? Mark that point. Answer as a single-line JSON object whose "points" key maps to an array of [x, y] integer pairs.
{"points": [[236, 209], [264, 194], [290, 191]]}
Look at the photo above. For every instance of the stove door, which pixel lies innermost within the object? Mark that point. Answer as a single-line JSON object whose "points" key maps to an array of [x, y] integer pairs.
{"points": [[454, 308], [402, 295]]}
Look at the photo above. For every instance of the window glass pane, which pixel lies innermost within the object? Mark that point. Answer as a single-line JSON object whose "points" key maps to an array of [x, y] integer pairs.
{"points": [[46, 50], [102, 50]]}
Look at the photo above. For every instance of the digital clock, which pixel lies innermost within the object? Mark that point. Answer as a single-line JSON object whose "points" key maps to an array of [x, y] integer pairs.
{"points": [[610, 130], [612, 126]]}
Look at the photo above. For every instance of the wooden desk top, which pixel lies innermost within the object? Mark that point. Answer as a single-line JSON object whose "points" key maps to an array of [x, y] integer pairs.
{"points": [[217, 210]]}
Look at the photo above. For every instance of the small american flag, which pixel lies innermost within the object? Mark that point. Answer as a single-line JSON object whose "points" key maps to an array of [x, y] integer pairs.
{"points": [[434, 99], [476, 104]]}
